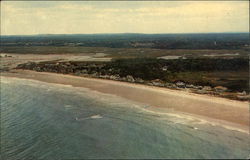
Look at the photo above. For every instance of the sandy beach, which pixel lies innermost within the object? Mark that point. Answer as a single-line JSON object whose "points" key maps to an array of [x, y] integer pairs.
{"points": [[234, 113]]}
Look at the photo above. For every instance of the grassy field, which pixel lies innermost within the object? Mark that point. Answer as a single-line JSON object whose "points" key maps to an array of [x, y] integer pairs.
{"points": [[117, 53]]}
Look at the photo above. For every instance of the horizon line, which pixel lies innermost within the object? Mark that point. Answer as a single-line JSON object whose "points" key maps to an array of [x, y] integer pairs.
{"points": [[118, 33]]}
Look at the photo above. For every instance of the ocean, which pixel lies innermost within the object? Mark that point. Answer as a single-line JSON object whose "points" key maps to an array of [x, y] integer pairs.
{"points": [[51, 121]]}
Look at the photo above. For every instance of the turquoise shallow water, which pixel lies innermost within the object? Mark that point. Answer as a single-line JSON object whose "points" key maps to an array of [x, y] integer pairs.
{"points": [[49, 121]]}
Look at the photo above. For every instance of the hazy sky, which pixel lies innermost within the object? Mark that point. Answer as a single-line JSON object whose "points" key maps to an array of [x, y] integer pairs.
{"points": [[62, 17]]}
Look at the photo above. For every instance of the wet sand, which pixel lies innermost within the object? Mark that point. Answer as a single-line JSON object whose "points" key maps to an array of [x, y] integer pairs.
{"points": [[219, 109]]}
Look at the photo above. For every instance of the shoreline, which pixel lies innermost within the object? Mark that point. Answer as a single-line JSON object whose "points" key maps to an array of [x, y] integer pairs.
{"points": [[219, 110]]}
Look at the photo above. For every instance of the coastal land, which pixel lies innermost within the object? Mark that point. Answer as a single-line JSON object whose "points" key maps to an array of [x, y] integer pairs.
{"points": [[202, 75], [220, 110]]}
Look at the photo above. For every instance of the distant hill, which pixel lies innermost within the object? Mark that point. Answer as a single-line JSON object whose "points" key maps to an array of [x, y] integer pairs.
{"points": [[134, 40]]}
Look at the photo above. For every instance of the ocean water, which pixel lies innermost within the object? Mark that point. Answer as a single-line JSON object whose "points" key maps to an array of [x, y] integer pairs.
{"points": [[50, 121]]}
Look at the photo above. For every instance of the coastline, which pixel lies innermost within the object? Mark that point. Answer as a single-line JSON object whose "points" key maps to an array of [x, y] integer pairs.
{"points": [[220, 110]]}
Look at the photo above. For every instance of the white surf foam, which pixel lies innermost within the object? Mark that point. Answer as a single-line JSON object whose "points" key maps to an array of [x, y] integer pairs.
{"points": [[97, 116], [177, 117], [186, 119]]}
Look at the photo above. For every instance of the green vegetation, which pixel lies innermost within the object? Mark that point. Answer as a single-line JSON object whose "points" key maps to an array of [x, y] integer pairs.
{"points": [[190, 71], [193, 71], [159, 41], [120, 53], [196, 62]]}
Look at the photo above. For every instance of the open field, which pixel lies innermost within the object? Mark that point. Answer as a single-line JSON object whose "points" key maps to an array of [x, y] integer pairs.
{"points": [[125, 52]]}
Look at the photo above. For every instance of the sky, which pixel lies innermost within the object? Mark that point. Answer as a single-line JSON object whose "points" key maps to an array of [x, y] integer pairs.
{"points": [[84, 17]]}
